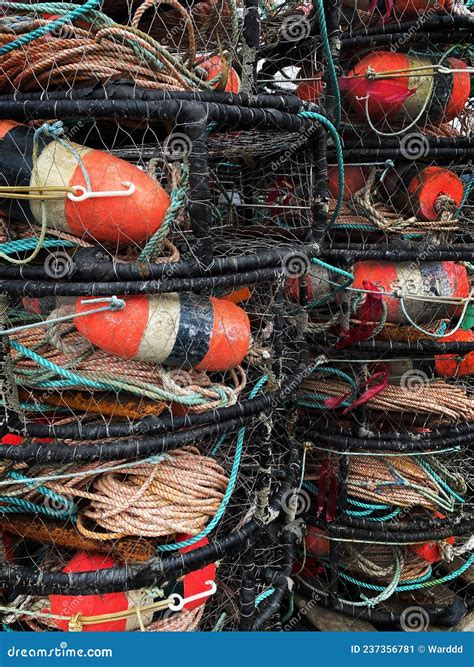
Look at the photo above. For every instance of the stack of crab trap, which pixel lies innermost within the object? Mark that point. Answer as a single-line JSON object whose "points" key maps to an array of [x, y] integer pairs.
{"points": [[385, 418], [158, 215]]}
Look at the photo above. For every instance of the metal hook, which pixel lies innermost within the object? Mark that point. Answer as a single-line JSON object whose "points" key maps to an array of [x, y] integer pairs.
{"points": [[177, 606], [87, 194]]}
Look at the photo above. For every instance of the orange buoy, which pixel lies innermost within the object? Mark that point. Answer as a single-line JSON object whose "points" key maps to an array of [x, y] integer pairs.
{"points": [[115, 219], [311, 90], [174, 329], [408, 85], [454, 365], [80, 606], [214, 67], [354, 180], [428, 279], [422, 192]]}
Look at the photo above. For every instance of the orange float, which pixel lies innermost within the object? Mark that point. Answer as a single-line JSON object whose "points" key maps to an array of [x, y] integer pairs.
{"points": [[114, 219], [176, 329], [354, 180], [428, 279], [214, 67], [71, 606], [419, 192]]}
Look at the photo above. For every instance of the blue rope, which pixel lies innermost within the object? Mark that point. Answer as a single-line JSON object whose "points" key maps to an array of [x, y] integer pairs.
{"points": [[263, 596], [230, 487], [45, 29]]}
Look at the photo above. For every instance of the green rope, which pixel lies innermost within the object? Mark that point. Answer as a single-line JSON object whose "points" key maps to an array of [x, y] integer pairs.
{"points": [[21, 245], [330, 63], [263, 596], [45, 29], [349, 278], [179, 196]]}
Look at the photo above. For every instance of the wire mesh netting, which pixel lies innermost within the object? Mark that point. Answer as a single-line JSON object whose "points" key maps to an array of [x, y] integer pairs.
{"points": [[236, 314]]}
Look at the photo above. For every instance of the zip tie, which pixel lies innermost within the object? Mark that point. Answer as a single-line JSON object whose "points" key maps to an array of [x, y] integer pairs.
{"points": [[115, 305]]}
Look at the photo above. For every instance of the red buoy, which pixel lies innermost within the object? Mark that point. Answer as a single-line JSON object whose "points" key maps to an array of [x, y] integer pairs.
{"points": [[354, 180], [423, 192], [408, 85], [116, 219], [176, 329], [71, 606], [311, 90], [428, 279], [316, 542], [214, 66]]}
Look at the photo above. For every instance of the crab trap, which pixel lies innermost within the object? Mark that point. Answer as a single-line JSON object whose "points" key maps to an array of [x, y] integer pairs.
{"points": [[236, 326]]}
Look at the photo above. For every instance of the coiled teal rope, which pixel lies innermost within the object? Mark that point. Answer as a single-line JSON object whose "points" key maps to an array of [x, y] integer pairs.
{"points": [[418, 583], [81, 10], [179, 197]]}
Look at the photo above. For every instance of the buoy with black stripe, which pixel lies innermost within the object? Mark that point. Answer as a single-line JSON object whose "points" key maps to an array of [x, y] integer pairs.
{"points": [[175, 329], [77, 607], [408, 86], [423, 192], [112, 219], [427, 279]]}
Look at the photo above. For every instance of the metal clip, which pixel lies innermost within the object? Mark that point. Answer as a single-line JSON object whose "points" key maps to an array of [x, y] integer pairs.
{"points": [[87, 194], [180, 601]]}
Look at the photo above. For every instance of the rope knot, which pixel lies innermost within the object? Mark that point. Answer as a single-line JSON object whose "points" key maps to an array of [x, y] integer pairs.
{"points": [[53, 130]]}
